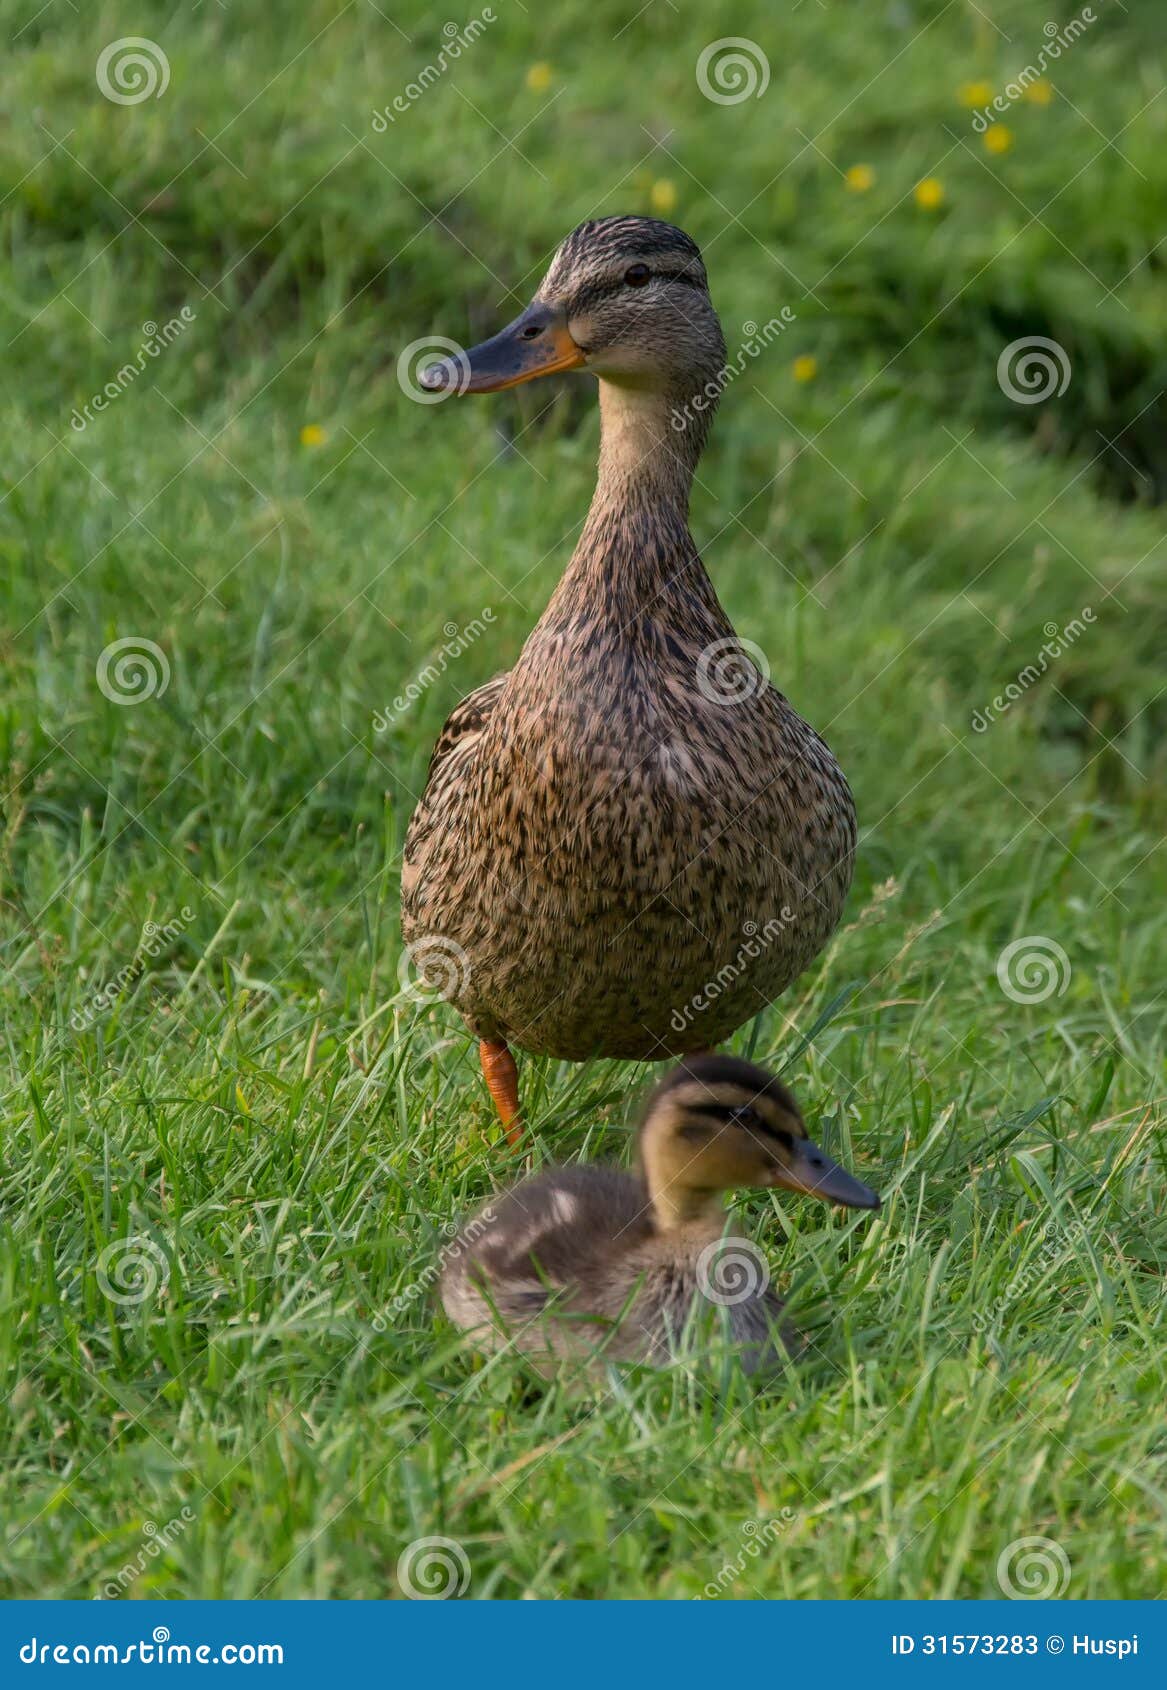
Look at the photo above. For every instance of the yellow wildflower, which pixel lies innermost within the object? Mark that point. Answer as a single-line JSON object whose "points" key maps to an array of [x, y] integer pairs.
{"points": [[312, 435], [997, 139], [859, 178], [1041, 91], [805, 368], [929, 194], [663, 197], [975, 93], [539, 77]]}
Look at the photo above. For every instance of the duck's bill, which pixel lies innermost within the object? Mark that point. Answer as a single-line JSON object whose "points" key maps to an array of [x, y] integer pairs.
{"points": [[813, 1171], [535, 344]]}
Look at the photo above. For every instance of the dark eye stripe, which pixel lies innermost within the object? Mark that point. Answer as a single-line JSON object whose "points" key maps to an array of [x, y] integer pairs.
{"points": [[730, 1113], [591, 292]]}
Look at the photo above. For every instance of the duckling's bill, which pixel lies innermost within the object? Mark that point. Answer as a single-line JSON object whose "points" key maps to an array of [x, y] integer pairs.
{"points": [[811, 1170], [537, 343]]}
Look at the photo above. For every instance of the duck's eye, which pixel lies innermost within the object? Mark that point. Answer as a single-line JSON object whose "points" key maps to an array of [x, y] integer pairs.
{"points": [[746, 1117], [636, 275]]}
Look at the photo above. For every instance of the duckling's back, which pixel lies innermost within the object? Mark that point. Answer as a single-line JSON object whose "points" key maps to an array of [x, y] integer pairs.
{"points": [[528, 1244]]}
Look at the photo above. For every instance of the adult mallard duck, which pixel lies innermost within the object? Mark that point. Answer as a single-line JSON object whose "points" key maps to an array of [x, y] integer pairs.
{"points": [[633, 803], [582, 1258]]}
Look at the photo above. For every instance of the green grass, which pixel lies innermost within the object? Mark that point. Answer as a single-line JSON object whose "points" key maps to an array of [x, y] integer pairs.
{"points": [[259, 1107]]}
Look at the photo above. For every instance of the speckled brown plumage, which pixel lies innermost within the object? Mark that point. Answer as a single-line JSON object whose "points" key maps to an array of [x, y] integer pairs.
{"points": [[602, 835]]}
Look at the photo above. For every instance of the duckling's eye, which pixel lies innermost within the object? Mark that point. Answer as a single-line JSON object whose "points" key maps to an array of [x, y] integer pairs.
{"points": [[636, 275]]}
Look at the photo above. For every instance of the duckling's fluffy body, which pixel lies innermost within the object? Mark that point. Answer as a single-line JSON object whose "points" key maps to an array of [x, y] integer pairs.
{"points": [[588, 1262], [608, 1282]]}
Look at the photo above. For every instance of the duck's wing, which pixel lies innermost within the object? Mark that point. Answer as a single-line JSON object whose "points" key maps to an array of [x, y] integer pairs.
{"points": [[456, 745], [462, 730]]}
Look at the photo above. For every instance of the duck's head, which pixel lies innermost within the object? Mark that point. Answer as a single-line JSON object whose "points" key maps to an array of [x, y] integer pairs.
{"points": [[626, 298], [715, 1124]]}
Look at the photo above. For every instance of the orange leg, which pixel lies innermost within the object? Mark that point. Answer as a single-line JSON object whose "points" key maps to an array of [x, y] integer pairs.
{"points": [[502, 1082]]}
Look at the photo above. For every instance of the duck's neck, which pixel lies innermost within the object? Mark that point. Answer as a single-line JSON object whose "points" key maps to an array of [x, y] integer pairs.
{"points": [[636, 542], [649, 447], [675, 1203], [675, 1209]]}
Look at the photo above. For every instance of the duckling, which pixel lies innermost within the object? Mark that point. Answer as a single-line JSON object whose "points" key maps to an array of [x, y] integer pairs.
{"points": [[633, 787], [580, 1260]]}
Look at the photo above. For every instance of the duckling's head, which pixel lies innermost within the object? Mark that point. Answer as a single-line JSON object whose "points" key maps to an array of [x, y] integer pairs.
{"points": [[626, 298], [717, 1123]]}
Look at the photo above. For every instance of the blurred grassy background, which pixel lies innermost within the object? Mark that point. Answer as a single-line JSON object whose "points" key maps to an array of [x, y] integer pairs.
{"points": [[289, 1134]]}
